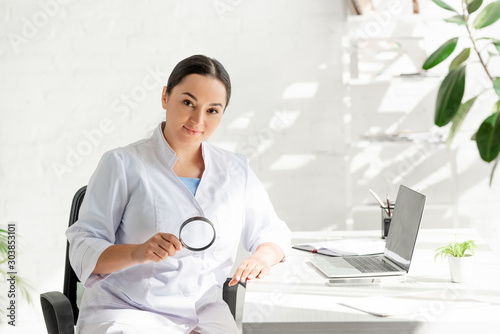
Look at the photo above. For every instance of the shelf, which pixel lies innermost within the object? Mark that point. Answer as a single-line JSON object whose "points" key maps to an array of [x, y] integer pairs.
{"points": [[411, 18], [389, 107], [385, 80]]}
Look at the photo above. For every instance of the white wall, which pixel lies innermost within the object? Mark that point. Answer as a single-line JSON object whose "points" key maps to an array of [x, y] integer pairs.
{"points": [[79, 78]]}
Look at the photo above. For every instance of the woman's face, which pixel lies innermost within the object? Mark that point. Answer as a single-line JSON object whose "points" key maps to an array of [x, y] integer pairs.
{"points": [[194, 110]]}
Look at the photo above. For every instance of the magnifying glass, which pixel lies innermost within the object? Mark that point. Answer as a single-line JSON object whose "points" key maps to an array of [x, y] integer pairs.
{"points": [[197, 233]]}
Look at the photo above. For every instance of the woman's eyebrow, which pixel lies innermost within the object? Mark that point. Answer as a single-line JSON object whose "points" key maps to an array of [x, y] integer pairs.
{"points": [[194, 98], [191, 95]]}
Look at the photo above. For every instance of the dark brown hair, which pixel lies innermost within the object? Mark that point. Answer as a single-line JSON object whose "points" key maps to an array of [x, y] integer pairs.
{"points": [[199, 64]]}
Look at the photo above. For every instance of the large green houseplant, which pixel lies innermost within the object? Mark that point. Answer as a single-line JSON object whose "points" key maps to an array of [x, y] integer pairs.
{"points": [[450, 106]]}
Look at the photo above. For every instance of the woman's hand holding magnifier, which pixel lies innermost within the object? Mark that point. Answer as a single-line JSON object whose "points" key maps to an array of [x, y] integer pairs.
{"points": [[157, 248], [195, 233]]}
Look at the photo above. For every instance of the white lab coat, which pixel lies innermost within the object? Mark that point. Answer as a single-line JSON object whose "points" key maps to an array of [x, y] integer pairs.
{"points": [[135, 194]]}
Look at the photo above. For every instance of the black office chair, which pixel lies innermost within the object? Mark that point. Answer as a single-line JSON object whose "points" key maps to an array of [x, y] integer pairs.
{"points": [[60, 310]]}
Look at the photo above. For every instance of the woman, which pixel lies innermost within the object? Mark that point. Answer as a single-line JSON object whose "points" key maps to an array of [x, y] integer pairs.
{"points": [[124, 247]]}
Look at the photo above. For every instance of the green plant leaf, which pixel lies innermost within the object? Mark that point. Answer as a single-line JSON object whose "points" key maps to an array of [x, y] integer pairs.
{"points": [[462, 56], [456, 249], [450, 96], [496, 86], [496, 44], [488, 138], [496, 107], [444, 5], [493, 170], [457, 19], [474, 5], [443, 52], [3, 245], [457, 121], [494, 41], [489, 15]]}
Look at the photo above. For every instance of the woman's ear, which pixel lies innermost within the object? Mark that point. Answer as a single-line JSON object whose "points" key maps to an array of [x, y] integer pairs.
{"points": [[164, 98]]}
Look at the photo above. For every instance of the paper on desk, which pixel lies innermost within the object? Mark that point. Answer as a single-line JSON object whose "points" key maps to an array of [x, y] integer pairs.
{"points": [[412, 303], [345, 247]]}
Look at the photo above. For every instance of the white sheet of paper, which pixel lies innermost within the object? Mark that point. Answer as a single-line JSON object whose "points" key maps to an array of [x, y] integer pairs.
{"points": [[384, 306]]}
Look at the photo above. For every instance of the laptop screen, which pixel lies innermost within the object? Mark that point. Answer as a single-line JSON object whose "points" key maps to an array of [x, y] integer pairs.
{"points": [[404, 226]]}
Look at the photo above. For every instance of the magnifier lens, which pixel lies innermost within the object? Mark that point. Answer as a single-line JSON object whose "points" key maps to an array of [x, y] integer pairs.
{"points": [[197, 233]]}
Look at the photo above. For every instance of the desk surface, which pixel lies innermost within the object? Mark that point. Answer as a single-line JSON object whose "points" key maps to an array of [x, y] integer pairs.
{"points": [[295, 299]]}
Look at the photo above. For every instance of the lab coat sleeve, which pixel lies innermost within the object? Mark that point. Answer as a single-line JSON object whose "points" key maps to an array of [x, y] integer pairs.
{"points": [[262, 224], [100, 215]]}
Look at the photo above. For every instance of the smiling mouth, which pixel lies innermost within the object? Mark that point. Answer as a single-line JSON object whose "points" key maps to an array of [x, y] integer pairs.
{"points": [[192, 132]]}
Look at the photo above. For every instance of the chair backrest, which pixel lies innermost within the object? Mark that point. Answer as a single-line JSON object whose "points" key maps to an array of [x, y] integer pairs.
{"points": [[73, 289]]}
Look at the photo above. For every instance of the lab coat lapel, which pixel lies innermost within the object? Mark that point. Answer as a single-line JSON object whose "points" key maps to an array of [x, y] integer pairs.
{"points": [[215, 179]]}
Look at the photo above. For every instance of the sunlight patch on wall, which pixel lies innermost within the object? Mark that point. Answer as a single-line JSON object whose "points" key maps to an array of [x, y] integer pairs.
{"points": [[241, 123], [369, 156], [437, 176], [323, 66], [301, 90], [283, 120], [292, 161]]}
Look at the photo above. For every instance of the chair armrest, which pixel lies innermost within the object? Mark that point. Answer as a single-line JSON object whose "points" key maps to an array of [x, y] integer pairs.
{"points": [[57, 312], [234, 296]]}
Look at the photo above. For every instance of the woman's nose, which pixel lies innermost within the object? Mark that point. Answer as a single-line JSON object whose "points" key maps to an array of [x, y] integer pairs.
{"points": [[196, 117]]}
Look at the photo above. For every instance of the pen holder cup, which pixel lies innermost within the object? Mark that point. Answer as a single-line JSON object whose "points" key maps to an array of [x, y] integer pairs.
{"points": [[386, 219]]}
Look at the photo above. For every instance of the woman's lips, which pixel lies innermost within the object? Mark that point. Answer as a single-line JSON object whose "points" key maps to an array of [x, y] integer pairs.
{"points": [[192, 132]]}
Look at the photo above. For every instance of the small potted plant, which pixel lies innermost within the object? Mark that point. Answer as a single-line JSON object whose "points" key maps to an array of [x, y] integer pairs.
{"points": [[459, 258]]}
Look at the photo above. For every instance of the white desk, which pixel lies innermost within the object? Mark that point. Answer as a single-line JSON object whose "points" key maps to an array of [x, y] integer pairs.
{"points": [[295, 299]]}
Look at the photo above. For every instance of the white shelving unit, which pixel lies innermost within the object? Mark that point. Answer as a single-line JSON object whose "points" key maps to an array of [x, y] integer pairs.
{"points": [[382, 56]]}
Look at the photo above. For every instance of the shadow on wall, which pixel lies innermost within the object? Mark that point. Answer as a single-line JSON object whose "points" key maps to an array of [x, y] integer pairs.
{"points": [[292, 145], [318, 166], [406, 147]]}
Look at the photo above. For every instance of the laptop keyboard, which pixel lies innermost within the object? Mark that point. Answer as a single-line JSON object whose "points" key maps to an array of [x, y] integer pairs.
{"points": [[369, 264]]}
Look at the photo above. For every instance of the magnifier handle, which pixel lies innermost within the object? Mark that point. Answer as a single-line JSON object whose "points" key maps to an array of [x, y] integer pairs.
{"points": [[158, 248]]}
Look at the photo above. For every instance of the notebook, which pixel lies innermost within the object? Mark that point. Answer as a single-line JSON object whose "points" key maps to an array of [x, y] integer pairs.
{"points": [[344, 247], [399, 246]]}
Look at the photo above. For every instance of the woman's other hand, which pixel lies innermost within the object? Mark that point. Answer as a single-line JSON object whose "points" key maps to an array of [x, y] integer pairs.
{"points": [[258, 265]]}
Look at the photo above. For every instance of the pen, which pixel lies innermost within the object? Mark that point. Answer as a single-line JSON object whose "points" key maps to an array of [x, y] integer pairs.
{"points": [[382, 205], [388, 205]]}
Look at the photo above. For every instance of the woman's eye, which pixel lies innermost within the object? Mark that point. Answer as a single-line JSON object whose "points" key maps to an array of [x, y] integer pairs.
{"points": [[213, 111], [188, 103]]}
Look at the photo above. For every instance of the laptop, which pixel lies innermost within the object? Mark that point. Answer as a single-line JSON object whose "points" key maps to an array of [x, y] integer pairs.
{"points": [[399, 246]]}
